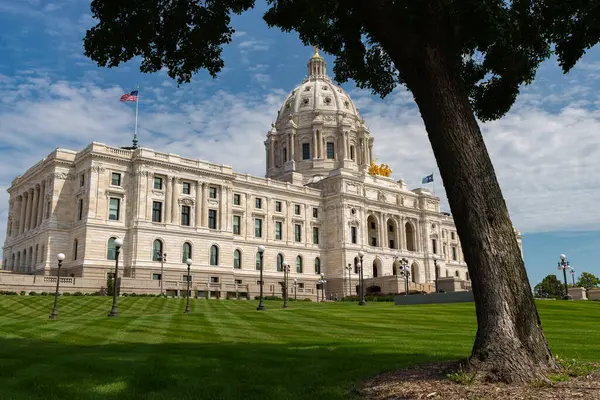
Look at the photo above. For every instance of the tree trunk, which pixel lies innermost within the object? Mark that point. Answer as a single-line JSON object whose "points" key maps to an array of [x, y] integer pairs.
{"points": [[510, 345]]}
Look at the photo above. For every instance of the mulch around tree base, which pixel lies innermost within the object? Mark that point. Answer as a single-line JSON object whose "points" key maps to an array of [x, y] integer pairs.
{"points": [[431, 382]]}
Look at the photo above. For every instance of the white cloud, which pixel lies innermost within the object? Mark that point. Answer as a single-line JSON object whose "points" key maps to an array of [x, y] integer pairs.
{"points": [[254, 45]]}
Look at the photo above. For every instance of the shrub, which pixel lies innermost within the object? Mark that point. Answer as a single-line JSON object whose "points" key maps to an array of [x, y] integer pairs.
{"points": [[44, 293], [306, 299], [32, 293], [22, 293], [66, 294], [77, 294]]}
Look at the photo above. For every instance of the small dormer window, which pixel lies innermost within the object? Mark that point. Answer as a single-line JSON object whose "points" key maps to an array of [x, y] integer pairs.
{"points": [[327, 100], [324, 87], [346, 104], [305, 101], [307, 89]]}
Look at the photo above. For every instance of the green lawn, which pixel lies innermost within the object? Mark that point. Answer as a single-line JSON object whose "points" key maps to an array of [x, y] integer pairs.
{"points": [[228, 350]]}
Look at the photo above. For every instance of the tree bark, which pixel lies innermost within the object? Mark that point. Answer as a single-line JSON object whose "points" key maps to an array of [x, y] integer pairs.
{"points": [[510, 345]]}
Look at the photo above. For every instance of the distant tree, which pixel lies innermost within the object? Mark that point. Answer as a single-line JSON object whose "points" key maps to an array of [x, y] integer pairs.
{"points": [[459, 58], [588, 281], [550, 287]]}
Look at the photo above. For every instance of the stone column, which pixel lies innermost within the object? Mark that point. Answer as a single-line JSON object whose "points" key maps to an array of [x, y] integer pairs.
{"points": [[199, 200], [22, 218], [168, 204], [174, 202], [34, 206], [41, 201], [370, 153], [292, 153], [383, 230], [344, 142], [315, 145], [271, 153], [365, 150], [28, 210], [204, 204]]}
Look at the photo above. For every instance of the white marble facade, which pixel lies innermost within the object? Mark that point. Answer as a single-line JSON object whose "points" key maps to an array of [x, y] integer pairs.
{"points": [[316, 209]]}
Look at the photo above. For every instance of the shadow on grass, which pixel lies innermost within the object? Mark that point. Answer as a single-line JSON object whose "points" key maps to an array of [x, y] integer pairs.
{"points": [[47, 370]]}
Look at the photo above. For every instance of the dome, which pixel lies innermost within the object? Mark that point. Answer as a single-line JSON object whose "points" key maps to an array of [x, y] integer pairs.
{"points": [[318, 131], [317, 93]]}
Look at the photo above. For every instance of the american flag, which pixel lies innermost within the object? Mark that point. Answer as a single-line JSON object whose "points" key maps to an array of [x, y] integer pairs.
{"points": [[131, 96]]}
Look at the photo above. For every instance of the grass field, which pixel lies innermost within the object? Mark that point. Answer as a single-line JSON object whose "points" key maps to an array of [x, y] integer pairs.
{"points": [[228, 350]]}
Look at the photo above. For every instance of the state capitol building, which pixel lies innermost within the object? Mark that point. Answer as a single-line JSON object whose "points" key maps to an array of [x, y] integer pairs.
{"points": [[316, 209]]}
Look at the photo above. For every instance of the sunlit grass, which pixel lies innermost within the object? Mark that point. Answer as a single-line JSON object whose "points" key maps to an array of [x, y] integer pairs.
{"points": [[228, 350]]}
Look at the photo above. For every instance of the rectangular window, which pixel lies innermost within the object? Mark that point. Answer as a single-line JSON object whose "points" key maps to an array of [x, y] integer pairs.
{"points": [[452, 235], [238, 281], [434, 246], [156, 211], [392, 244], [236, 225], [315, 212], [214, 279], [258, 202], [48, 209], [187, 278], [315, 235], [185, 187], [212, 219], [258, 227], [374, 242], [158, 184], [298, 233], [278, 206], [454, 255], [236, 199], [82, 180], [80, 210], [114, 209], [115, 179], [306, 151], [330, 151], [75, 245], [185, 215], [443, 234], [352, 153], [353, 234], [278, 230], [444, 250], [297, 209], [156, 277], [212, 192]]}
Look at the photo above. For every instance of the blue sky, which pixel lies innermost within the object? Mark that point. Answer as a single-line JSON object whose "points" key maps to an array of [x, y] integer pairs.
{"points": [[545, 151]]}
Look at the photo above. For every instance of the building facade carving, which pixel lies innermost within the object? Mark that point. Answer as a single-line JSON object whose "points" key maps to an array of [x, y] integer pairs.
{"points": [[316, 209]]}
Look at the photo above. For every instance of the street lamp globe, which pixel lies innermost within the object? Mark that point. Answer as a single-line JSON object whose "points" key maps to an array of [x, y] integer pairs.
{"points": [[60, 257], [322, 275], [261, 249], [563, 257], [284, 264], [188, 262], [118, 243], [295, 281], [361, 254]]}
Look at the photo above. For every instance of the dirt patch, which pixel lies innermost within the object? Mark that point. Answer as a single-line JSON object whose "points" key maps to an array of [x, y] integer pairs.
{"points": [[431, 382]]}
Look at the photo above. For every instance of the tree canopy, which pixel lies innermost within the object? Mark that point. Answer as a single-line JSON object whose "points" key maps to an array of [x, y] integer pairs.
{"points": [[550, 287], [497, 44], [588, 281]]}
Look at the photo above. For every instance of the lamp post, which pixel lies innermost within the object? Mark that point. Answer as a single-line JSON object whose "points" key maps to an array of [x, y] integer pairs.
{"points": [[189, 280], [322, 282], [60, 257], [437, 273], [295, 289], [349, 269], [573, 276], [162, 258], [114, 312], [404, 272], [564, 265], [261, 304], [362, 301], [286, 273]]}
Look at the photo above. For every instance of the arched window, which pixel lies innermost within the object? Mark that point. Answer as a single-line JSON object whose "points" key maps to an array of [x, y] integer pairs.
{"points": [[279, 262], [157, 250], [43, 255], [75, 245], [467, 275], [257, 261], [187, 252], [299, 264], [237, 259], [317, 265], [457, 274], [214, 255]]}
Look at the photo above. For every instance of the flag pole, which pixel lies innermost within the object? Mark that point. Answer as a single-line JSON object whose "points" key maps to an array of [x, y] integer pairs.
{"points": [[137, 106], [433, 180]]}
